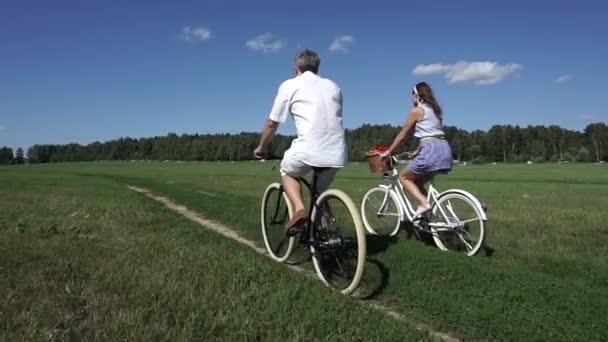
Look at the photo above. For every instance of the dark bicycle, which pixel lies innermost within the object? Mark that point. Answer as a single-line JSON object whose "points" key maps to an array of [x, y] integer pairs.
{"points": [[334, 234]]}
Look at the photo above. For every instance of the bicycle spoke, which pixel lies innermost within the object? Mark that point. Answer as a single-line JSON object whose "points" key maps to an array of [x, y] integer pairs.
{"points": [[279, 246], [386, 214], [469, 220], [376, 203], [467, 245], [343, 268], [340, 266], [451, 209], [463, 231]]}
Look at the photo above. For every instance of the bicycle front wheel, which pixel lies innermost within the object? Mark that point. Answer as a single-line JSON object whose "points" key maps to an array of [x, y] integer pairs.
{"points": [[338, 241], [381, 212], [276, 212], [457, 224]]}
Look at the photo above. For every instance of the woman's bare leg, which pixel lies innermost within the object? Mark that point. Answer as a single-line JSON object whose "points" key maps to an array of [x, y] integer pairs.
{"points": [[414, 185]]}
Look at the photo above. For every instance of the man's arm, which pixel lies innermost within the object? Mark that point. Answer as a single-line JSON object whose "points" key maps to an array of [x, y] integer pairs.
{"points": [[277, 115], [270, 128]]}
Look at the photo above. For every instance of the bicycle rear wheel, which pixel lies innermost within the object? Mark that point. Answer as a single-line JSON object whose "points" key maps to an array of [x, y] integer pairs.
{"points": [[276, 212], [457, 224], [338, 248], [381, 212]]}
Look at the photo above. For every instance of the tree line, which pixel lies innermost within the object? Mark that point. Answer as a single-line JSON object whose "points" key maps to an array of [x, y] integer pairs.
{"points": [[501, 143], [7, 156]]}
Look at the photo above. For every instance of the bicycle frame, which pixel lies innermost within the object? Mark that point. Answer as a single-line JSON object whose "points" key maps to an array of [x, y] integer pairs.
{"points": [[314, 194], [305, 237], [394, 186]]}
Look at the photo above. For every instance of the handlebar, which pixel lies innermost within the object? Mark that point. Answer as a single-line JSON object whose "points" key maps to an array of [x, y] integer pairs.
{"points": [[404, 155], [409, 155]]}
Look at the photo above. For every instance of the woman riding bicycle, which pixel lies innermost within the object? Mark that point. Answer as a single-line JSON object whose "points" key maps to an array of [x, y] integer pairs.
{"points": [[433, 154]]}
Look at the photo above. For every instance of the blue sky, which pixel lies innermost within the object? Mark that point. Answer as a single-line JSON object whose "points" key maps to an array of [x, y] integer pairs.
{"points": [[81, 71]]}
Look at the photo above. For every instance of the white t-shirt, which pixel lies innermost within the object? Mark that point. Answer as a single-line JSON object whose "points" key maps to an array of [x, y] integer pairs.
{"points": [[316, 106]]}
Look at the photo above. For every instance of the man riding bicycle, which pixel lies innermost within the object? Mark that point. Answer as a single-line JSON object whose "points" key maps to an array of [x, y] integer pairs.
{"points": [[315, 103]]}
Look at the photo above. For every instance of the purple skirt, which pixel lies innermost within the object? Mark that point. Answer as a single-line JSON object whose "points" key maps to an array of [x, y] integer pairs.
{"points": [[435, 155]]}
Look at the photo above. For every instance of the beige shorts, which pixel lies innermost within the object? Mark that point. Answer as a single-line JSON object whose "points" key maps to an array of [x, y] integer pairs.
{"points": [[294, 167]]}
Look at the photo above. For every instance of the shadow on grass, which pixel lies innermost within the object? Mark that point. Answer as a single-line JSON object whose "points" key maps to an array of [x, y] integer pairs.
{"points": [[301, 255], [379, 244], [411, 232], [487, 251], [408, 229], [375, 280], [377, 275]]}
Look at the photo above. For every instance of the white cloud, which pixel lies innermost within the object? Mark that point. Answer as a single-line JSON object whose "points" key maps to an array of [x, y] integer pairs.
{"points": [[341, 43], [481, 73], [266, 42], [431, 69], [193, 34], [586, 117], [563, 78]]}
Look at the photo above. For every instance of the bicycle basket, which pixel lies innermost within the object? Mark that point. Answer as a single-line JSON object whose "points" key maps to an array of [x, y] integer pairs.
{"points": [[377, 164]]}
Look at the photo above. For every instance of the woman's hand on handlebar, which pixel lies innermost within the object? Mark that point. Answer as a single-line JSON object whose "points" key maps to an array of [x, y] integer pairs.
{"points": [[386, 154]]}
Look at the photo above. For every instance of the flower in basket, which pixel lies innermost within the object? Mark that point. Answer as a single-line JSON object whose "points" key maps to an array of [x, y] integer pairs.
{"points": [[381, 148]]}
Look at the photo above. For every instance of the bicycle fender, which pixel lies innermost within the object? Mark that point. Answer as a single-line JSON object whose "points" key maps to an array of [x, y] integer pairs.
{"points": [[471, 197]]}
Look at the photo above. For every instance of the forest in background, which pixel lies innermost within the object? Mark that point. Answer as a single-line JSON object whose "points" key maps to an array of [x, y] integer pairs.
{"points": [[501, 143]]}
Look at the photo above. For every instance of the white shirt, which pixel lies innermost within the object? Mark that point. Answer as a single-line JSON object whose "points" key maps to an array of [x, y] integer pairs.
{"points": [[316, 106], [429, 125]]}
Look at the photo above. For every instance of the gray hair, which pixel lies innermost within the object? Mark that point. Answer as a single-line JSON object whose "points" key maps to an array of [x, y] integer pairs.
{"points": [[308, 60]]}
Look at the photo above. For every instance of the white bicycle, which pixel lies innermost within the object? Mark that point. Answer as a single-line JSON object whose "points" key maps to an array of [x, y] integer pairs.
{"points": [[457, 220]]}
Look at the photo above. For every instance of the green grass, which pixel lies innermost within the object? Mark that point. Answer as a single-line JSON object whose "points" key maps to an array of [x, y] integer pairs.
{"points": [[84, 258], [134, 270]]}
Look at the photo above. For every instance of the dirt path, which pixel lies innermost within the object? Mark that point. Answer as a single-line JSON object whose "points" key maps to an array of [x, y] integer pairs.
{"points": [[230, 233]]}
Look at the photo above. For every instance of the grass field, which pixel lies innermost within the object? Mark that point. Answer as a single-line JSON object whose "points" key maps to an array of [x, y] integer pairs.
{"points": [[83, 257]]}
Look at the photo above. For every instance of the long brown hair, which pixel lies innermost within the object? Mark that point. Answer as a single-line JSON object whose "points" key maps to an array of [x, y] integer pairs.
{"points": [[425, 93]]}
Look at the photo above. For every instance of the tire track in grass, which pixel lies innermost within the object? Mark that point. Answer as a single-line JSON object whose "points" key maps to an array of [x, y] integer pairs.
{"points": [[231, 234]]}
